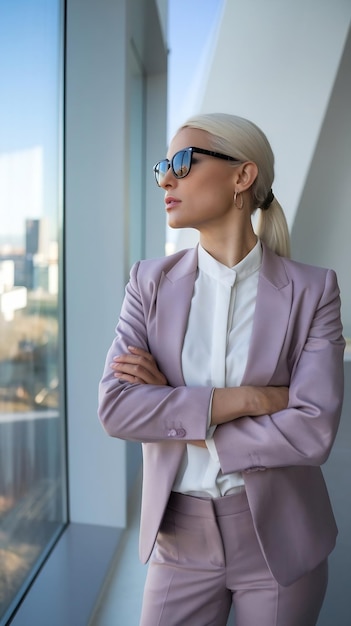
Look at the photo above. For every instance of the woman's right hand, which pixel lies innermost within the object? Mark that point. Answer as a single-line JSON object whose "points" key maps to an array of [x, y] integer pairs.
{"points": [[230, 403]]}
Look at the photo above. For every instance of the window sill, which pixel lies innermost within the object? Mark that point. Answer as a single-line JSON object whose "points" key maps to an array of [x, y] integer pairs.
{"points": [[68, 585]]}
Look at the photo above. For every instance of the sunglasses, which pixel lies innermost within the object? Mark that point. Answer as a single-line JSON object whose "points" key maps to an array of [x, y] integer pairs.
{"points": [[181, 163]]}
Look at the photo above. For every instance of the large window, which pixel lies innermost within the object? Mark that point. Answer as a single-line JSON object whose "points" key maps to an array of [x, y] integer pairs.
{"points": [[32, 476]]}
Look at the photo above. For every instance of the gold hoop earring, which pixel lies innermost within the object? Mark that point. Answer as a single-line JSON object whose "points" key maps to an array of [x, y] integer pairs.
{"points": [[238, 206]]}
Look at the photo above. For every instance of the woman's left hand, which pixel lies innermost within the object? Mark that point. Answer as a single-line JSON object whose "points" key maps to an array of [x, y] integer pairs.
{"points": [[138, 366]]}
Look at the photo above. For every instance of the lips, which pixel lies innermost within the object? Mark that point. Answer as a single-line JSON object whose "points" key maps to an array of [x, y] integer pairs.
{"points": [[171, 202]]}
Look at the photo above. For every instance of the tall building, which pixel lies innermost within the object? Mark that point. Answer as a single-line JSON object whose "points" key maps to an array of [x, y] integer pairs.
{"points": [[37, 236]]}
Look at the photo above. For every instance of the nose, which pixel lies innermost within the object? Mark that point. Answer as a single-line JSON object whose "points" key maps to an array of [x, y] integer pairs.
{"points": [[168, 180]]}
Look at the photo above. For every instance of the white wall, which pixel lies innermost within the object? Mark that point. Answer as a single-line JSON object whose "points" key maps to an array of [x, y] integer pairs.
{"points": [[321, 233], [275, 63]]}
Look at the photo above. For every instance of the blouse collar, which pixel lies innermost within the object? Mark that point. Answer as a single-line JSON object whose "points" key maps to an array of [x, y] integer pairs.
{"points": [[247, 266]]}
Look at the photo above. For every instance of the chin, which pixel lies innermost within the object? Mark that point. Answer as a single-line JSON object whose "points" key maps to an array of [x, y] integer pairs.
{"points": [[174, 223]]}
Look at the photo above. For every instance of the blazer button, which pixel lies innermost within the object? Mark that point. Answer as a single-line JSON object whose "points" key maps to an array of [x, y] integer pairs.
{"points": [[181, 432], [172, 432]]}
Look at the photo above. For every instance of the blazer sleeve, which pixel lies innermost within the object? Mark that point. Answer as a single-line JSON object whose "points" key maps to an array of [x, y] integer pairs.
{"points": [[147, 413], [304, 433]]}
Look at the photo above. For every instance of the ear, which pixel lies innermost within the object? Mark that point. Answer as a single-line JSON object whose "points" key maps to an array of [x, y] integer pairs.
{"points": [[245, 175]]}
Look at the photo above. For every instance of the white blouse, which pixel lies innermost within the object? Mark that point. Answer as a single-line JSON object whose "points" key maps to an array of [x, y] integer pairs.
{"points": [[215, 354]]}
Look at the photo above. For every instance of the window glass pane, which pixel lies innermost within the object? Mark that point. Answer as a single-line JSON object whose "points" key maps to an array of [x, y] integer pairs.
{"points": [[32, 476]]}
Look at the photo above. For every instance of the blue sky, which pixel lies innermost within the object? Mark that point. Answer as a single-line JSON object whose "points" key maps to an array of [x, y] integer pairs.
{"points": [[29, 43], [29, 100]]}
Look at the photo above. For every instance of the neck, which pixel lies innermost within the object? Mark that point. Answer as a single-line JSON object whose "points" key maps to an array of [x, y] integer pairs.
{"points": [[229, 248]]}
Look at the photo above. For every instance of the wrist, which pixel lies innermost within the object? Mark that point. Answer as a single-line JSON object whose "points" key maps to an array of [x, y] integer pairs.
{"points": [[229, 403]]}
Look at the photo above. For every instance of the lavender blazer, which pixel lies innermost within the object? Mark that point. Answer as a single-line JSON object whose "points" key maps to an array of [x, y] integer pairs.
{"points": [[296, 341]]}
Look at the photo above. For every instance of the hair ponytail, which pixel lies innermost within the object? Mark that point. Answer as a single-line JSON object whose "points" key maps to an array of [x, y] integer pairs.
{"points": [[272, 228]]}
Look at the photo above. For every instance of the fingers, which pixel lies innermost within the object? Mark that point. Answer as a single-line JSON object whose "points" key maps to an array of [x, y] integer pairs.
{"points": [[138, 366], [140, 352], [131, 372]]}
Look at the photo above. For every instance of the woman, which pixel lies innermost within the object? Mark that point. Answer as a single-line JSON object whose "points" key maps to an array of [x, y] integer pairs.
{"points": [[228, 366]]}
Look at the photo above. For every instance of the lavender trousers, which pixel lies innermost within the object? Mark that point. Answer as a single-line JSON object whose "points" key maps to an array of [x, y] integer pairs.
{"points": [[207, 557]]}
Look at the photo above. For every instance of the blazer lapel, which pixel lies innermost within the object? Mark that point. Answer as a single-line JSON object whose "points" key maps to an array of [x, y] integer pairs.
{"points": [[173, 304], [273, 306]]}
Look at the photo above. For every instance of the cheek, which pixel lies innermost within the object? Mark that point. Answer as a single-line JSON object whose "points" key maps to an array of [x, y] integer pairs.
{"points": [[218, 184], [218, 196]]}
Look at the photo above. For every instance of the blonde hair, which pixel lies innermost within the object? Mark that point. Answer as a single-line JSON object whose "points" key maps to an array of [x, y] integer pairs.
{"points": [[243, 140]]}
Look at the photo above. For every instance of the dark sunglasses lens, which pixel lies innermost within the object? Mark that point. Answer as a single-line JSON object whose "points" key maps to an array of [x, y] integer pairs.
{"points": [[161, 170], [181, 163]]}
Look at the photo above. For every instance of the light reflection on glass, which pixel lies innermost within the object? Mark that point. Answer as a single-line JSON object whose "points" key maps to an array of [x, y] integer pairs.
{"points": [[32, 474]]}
